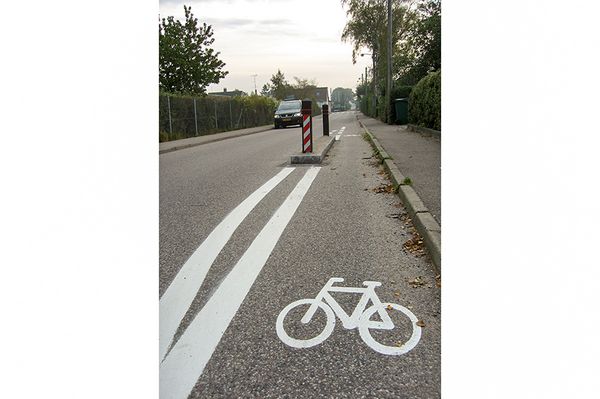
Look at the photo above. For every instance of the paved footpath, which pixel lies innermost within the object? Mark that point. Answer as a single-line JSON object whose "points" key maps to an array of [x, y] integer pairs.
{"points": [[416, 155]]}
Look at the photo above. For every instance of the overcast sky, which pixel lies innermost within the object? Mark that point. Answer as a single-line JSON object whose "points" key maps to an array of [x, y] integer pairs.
{"points": [[300, 37]]}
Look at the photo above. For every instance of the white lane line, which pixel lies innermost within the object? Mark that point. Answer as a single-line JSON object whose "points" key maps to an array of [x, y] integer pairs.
{"points": [[183, 289], [186, 361], [337, 137]]}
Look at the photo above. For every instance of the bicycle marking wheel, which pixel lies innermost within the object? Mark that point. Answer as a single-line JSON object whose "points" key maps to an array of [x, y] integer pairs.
{"points": [[305, 343], [363, 329]]}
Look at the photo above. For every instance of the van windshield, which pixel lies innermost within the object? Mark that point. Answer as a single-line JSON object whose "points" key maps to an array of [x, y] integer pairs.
{"points": [[289, 106]]}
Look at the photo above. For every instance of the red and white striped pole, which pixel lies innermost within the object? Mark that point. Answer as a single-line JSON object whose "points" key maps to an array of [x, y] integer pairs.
{"points": [[307, 140]]}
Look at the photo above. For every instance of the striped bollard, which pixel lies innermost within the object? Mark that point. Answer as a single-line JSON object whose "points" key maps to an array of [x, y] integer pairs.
{"points": [[307, 140]]}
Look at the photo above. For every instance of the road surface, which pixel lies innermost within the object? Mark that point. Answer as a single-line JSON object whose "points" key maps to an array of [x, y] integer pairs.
{"points": [[244, 235]]}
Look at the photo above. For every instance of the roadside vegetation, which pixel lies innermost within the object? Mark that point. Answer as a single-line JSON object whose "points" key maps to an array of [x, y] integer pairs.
{"points": [[184, 116], [416, 53], [188, 63], [424, 102]]}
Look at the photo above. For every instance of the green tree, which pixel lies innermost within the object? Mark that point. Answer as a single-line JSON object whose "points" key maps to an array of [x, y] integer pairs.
{"points": [[342, 97], [303, 88], [420, 53], [266, 90], [366, 28], [187, 63], [279, 85]]}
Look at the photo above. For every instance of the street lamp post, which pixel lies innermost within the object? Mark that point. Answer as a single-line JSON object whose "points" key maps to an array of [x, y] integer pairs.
{"points": [[374, 81], [388, 90]]}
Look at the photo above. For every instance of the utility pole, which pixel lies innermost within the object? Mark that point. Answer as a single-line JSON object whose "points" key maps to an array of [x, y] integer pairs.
{"points": [[374, 80], [374, 84], [388, 90], [366, 98], [254, 76]]}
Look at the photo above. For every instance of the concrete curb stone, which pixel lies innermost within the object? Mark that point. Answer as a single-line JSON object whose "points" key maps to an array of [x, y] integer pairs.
{"points": [[395, 174], [423, 220], [211, 138], [314, 158], [412, 200]]}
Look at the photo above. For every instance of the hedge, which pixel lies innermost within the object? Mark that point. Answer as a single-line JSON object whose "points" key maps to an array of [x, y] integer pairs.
{"points": [[213, 114], [425, 102]]}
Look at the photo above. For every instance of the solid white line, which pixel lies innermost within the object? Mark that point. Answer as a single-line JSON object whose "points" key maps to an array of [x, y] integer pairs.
{"points": [[337, 137], [183, 289], [185, 363]]}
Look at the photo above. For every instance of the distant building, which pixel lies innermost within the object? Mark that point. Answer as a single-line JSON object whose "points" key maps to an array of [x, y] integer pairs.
{"points": [[319, 94], [322, 96], [235, 93]]}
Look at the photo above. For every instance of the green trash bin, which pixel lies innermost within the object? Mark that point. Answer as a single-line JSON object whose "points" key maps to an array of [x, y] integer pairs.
{"points": [[401, 108]]}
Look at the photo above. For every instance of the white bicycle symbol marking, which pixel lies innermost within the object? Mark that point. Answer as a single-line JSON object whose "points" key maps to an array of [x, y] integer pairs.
{"points": [[360, 317]]}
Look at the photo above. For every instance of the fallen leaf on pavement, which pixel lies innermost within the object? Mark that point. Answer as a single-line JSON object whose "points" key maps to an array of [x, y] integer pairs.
{"points": [[420, 323], [417, 282], [384, 188]]}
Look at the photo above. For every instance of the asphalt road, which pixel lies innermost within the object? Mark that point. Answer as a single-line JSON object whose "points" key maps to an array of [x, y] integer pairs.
{"points": [[279, 245]]}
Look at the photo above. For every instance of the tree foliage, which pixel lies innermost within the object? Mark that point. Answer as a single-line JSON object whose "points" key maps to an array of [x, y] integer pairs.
{"points": [[420, 53], [279, 88], [366, 28], [365, 25], [342, 97], [416, 44], [276, 87], [187, 63]]}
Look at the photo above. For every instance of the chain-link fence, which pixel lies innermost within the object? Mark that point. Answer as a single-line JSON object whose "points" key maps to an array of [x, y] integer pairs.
{"points": [[182, 117]]}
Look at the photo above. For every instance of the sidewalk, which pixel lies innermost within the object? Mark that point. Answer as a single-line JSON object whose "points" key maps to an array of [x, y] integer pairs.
{"points": [[174, 145], [416, 155]]}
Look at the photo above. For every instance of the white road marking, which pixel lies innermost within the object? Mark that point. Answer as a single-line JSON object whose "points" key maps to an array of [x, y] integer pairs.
{"points": [[183, 289], [186, 361], [339, 135], [360, 317]]}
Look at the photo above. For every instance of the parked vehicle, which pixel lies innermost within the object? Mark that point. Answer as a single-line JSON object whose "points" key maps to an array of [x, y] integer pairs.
{"points": [[288, 113]]}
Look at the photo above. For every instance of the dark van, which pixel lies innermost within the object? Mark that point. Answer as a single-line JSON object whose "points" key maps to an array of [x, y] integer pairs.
{"points": [[288, 113]]}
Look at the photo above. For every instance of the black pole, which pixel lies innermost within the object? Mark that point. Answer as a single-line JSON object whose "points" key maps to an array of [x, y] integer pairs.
{"points": [[325, 120]]}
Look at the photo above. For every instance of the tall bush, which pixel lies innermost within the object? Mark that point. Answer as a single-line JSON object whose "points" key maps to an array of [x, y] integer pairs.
{"points": [[425, 102], [213, 114]]}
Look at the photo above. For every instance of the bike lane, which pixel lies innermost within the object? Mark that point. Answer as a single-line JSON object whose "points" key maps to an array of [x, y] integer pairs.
{"points": [[342, 228]]}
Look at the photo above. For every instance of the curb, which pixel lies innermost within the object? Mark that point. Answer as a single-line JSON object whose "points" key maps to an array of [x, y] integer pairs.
{"points": [[424, 222], [421, 129], [211, 140], [312, 159]]}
